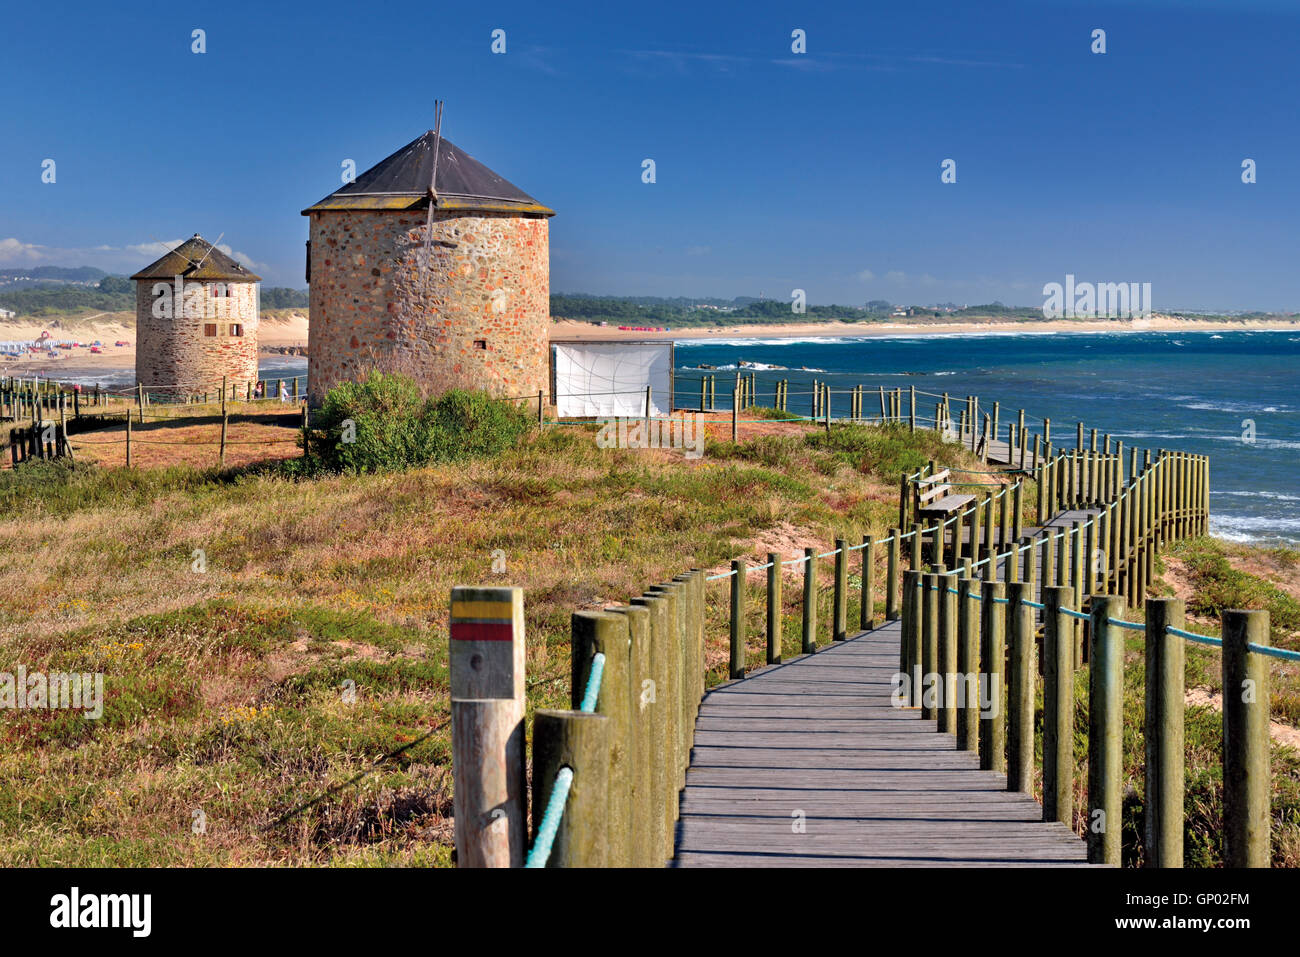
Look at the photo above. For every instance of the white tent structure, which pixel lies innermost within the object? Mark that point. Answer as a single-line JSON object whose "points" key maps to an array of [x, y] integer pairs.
{"points": [[606, 379]]}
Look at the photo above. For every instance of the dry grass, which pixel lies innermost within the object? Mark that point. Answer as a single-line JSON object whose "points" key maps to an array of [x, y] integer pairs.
{"points": [[225, 689]]}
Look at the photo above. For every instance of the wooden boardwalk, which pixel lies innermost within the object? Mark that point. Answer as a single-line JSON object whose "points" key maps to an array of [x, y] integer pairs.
{"points": [[808, 764]]}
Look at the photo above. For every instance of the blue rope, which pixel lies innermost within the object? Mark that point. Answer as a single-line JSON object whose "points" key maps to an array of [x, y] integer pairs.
{"points": [[1274, 652], [1034, 604], [1075, 614], [1130, 625], [550, 825], [1193, 636], [593, 683]]}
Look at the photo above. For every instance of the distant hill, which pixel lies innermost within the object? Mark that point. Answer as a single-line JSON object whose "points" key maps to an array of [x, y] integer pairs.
{"points": [[84, 274]]}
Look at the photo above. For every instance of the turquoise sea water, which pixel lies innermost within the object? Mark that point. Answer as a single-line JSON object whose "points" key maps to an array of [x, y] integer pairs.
{"points": [[1199, 392]]}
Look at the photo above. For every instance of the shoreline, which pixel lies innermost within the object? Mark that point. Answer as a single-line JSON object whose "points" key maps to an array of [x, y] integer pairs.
{"points": [[580, 329]]}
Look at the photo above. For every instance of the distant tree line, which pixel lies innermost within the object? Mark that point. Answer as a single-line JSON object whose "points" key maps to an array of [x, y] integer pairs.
{"points": [[111, 294]]}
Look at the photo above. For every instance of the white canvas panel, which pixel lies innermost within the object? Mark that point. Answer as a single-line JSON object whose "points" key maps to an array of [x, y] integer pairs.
{"points": [[610, 378]]}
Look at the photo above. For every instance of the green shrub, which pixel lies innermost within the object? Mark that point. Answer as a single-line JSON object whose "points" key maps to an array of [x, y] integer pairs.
{"points": [[382, 423]]}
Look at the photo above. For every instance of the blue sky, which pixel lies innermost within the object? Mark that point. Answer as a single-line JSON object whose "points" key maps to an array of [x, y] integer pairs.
{"points": [[774, 170]]}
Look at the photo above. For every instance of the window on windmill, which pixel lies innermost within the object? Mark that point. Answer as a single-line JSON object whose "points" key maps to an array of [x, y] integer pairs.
{"points": [[210, 329], [236, 329], [480, 343], [219, 290]]}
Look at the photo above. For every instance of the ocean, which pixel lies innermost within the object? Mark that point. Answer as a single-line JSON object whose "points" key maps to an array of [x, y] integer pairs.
{"points": [[1203, 392]]}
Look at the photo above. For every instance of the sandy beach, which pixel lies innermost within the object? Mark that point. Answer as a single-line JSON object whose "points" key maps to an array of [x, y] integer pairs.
{"points": [[275, 330], [289, 328], [565, 329]]}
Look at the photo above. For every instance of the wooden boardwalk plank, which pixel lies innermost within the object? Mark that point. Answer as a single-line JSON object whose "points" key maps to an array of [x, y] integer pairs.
{"points": [[807, 764]]}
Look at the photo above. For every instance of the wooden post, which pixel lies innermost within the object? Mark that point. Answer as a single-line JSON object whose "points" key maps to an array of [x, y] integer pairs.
{"points": [[867, 611], [990, 552], [968, 666], [1105, 731], [645, 813], [128, 437], [911, 415], [735, 404], [991, 667], [910, 644], [929, 640], [486, 662], [600, 632], [221, 456], [1164, 734], [915, 557], [737, 669], [774, 609], [1058, 707], [541, 407], [580, 742], [903, 488], [1246, 742], [139, 393], [891, 575], [809, 601], [946, 663], [840, 609], [662, 724], [1020, 688]]}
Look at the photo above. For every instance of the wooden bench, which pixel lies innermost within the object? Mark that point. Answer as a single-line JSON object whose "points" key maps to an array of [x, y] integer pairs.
{"points": [[934, 498]]}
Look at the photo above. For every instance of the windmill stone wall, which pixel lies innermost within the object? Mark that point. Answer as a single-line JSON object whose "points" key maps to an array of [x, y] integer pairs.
{"points": [[474, 311], [459, 299], [196, 320]]}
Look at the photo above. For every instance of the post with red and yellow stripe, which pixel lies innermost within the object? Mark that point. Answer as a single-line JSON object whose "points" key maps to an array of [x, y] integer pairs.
{"points": [[487, 726]]}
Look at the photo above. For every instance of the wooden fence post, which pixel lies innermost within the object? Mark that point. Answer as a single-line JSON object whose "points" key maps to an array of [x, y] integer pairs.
{"points": [[599, 632], [581, 742], [663, 694], [840, 609], [968, 666], [991, 668], [809, 601], [1105, 731], [909, 662], [867, 611], [128, 437], [928, 640], [891, 575], [946, 664], [737, 668], [1058, 707], [1246, 742], [486, 662], [775, 617], [645, 813]]}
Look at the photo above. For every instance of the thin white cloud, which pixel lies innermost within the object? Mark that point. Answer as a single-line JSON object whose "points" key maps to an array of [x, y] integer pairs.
{"points": [[122, 260]]}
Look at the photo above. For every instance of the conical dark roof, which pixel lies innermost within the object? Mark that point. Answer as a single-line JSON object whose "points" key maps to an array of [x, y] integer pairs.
{"points": [[402, 182], [185, 261]]}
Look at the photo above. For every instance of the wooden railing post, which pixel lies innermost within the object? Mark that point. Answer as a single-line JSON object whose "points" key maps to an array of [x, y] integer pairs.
{"points": [[867, 611], [486, 662], [662, 692], [991, 668], [967, 671], [910, 648], [774, 609], [1165, 763], [737, 669], [1105, 731], [809, 601], [1058, 707], [929, 639], [646, 813], [840, 606], [1020, 688], [946, 663], [580, 741], [891, 576], [599, 632], [1246, 742]]}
